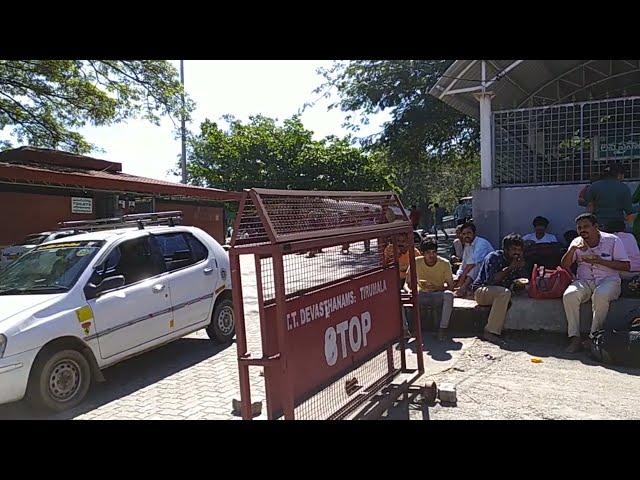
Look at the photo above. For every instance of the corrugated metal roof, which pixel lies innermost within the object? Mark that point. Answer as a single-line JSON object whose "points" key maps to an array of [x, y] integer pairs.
{"points": [[538, 82], [15, 167]]}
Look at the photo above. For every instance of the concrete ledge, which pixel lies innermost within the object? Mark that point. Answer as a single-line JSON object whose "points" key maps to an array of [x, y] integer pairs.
{"points": [[527, 314], [530, 314], [467, 316]]}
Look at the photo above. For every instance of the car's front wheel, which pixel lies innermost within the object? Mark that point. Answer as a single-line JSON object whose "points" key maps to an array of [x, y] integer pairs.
{"points": [[59, 380], [222, 327]]}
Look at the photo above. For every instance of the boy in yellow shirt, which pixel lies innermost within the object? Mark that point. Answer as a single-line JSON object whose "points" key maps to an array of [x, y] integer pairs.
{"points": [[435, 283]]}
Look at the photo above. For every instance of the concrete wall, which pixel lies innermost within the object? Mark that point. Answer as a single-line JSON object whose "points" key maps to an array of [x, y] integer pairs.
{"points": [[486, 214], [499, 211]]}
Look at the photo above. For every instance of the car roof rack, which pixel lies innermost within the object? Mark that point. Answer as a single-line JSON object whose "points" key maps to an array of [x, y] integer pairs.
{"points": [[140, 220]]}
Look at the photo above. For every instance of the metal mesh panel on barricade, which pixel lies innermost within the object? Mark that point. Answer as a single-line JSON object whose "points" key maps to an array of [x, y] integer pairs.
{"points": [[328, 292]]}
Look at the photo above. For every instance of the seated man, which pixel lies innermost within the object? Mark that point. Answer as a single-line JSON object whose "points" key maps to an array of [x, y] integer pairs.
{"points": [[633, 252], [491, 287], [457, 248], [403, 255], [600, 257], [475, 250], [542, 248], [435, 283], [540, 234], [631, 247]]}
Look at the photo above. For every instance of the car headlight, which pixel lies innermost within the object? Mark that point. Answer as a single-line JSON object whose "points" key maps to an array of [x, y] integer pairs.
{"points": [[3, 344]]}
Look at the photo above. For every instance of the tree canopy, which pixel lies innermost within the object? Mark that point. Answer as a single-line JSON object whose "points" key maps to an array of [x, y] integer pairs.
{"points": [[430, 148], [44, 102], [262, 153]]}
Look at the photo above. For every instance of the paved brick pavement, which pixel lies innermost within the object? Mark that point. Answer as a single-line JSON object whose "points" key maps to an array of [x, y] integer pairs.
{"points": [[190, 378]]}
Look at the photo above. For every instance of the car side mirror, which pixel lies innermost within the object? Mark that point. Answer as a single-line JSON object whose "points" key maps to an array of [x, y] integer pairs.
{"points": [[109, 283]]}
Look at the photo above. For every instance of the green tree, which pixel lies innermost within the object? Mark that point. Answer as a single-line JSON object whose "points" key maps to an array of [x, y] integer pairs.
{"points": [[42, 102], [262, 153], [441, 180], [431, 148], [420, 122]]}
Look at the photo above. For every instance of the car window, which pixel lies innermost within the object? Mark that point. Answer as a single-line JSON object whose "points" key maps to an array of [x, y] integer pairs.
{"points": [[180, 250], [49, 268], [136, 260], [198, 250], [172, 243]]}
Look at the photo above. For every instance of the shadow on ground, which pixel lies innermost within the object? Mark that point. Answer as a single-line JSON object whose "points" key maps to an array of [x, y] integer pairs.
{"points": [[546, 344]]}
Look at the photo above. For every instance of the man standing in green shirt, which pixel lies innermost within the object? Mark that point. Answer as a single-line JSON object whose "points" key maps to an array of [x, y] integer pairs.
{"points": [[611, 198]]}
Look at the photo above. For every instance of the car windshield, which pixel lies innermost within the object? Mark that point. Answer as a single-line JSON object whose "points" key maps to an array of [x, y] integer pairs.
{"points": [[49, 268], [34, 239]]}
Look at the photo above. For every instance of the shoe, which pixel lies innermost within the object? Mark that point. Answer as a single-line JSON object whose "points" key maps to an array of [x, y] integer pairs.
{"points": [[492, 337], [575, 345], [442, 335]]}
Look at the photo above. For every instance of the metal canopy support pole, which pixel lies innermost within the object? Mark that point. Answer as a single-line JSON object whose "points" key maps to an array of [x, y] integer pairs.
{"points": [[486, 139]]}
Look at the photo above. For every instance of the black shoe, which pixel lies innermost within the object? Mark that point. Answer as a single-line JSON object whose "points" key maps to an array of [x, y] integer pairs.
{"points": [[492, 338], [575, 345]]}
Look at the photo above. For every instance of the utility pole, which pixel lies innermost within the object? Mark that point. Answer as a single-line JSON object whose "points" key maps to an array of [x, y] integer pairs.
{"points": [[183, 160]]}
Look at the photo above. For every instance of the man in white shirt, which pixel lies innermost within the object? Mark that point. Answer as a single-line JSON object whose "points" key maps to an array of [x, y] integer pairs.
{"points": [[540, 234], [633, 252], [475, 250]]}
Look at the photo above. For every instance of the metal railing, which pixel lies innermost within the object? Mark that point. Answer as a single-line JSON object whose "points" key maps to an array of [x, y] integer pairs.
{"points": [[139, 220], [569, 143]]}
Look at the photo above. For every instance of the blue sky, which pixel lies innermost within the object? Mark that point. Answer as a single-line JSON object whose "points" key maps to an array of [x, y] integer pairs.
{"points": [[276, 89]]}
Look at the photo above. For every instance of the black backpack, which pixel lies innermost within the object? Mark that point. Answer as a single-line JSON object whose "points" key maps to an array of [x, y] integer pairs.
{"points": [[619, 346]]}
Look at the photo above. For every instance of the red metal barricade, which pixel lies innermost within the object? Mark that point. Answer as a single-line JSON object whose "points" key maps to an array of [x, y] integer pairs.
{"points": [[329, 313]]}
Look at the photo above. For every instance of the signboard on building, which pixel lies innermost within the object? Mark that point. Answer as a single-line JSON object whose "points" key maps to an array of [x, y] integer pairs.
{"points": [[81, 205], [613, 150]]}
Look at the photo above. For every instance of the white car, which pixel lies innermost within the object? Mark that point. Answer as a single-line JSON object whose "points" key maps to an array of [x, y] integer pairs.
{"points": [[13, 252], [72, 307]]}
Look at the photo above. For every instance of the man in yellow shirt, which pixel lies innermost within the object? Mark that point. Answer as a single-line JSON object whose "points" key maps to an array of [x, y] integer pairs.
{"points": [[435, 283]]}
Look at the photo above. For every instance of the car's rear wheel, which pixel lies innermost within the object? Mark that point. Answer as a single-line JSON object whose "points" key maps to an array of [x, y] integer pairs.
{"points": [[59, 380], [222, 327]]}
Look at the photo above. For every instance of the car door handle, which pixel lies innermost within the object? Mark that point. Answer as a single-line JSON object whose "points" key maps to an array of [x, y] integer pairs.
{"points": [[158, 288], [208, 270]]}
